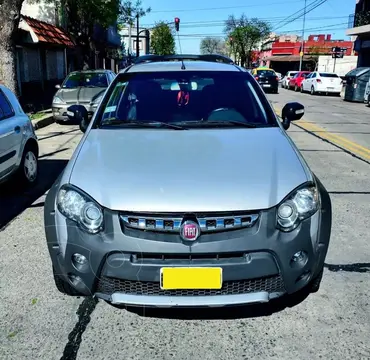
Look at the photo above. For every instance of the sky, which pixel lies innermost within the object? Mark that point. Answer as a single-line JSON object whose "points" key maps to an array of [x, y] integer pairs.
{"points": [[201, 18]]}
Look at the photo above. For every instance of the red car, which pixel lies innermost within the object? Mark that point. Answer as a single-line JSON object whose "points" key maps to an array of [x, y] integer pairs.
{"points": [[296, 81]]}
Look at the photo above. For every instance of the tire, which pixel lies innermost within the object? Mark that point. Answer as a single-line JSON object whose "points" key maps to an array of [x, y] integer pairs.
{"points": [[29, 167], [302, 89], [312, 91], [315, 283], [368, 101], [63, 286]]}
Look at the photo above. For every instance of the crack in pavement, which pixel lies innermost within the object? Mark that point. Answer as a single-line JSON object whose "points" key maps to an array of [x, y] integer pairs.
{"points": [[84, 312], [356, 267]]}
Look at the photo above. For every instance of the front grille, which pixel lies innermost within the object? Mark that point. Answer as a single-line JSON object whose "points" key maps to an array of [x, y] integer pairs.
{"points": [[168, 223], [270, 284]]}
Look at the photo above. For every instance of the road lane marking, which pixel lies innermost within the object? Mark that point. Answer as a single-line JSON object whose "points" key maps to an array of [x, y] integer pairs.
{"points": [[336, 140]]}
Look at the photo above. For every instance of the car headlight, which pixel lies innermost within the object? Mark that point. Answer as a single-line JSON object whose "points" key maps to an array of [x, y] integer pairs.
{"points": [[298, 206], [96, 101], [79, 207], [58, 100]]}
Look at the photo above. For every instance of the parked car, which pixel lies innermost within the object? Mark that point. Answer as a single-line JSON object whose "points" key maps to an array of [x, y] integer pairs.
{"points": [[81, 87], [19, 149], [150, 211], [286, 78], [367, 94], [296, 81], [279, 76], [267, 78], [322, 83]]}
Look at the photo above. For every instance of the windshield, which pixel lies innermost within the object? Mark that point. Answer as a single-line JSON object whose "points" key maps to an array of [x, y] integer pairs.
{"points": [[266, 73], [328, 75], [92, 79], [196, 98]]}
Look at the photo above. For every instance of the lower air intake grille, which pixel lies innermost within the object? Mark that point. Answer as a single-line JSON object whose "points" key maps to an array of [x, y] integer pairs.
{"points": [[270, 284]]}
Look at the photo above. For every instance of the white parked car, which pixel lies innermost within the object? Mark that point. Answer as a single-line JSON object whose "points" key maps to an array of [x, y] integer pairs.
{"points": [[286, 78], [367, 94], [322, 83], [19, 148]]}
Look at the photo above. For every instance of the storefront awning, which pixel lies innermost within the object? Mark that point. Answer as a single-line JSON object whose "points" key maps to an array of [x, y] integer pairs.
{"points": [[288, 58]]}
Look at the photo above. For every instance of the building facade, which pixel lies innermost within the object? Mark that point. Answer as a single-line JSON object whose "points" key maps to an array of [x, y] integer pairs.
{"points": [[129, 41], [359, 26]]}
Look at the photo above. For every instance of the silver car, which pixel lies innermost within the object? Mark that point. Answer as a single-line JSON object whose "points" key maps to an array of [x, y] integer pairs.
{"points": [[81, 87], [18, 142], [186, 191]]}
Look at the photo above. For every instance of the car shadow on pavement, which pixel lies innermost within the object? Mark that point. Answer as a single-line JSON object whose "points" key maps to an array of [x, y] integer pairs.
{"points": [[14, 200], [226, 313]]}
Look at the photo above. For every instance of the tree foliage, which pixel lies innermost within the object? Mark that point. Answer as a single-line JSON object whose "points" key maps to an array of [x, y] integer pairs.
{"points": [[246, 35], [129, 10], [210, 45], [162, 39]]}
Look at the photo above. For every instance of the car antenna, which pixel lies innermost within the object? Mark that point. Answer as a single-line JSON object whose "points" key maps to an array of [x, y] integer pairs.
{"points": [[177, 27]]}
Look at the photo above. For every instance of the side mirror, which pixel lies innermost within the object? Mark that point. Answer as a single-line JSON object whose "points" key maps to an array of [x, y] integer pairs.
{"points": [[291, 112], [57, 86], [79, 114]]}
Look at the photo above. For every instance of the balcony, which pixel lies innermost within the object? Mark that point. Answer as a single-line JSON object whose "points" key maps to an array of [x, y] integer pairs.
{"points": [[359, 23]]}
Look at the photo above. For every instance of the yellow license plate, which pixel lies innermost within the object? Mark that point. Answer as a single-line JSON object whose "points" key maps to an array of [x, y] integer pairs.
{"points": [[180, 278]]}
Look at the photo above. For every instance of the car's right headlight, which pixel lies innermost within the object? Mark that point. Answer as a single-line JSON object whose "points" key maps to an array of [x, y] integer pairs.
{"points": [[77, 206], [57, 100], [298, 206]]}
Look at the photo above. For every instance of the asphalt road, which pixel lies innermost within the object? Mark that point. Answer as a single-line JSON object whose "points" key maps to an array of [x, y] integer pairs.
{"points": [[345, 124], [37, 322]]}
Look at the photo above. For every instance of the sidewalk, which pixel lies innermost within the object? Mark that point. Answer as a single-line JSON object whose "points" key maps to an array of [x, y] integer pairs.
{"points": [[42, 119]]}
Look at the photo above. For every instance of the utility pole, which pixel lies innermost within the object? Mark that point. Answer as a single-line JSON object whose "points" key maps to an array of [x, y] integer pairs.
{"points": [[302, 45], [137, 36], [129, 39]]}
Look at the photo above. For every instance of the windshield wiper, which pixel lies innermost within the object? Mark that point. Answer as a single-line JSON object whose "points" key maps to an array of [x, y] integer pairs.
{"points": [[154, 124], [231, 122]]}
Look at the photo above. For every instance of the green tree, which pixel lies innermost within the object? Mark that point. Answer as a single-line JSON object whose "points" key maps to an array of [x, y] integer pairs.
{"points": [[162, 39], [246, 34], [211, 45]]}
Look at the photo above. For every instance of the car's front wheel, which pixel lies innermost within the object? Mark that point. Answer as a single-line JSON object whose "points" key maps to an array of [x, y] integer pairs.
{"points": [[368, 101]]}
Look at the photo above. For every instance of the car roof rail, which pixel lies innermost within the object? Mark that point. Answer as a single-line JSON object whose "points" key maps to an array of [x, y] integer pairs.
{"points": [[178, 57]]}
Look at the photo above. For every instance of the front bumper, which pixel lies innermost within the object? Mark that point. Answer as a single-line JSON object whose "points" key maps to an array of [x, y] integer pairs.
{"points": [[124, 264], [60, 111]]}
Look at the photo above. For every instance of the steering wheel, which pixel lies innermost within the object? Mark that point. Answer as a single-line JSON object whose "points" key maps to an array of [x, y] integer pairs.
{"points": [[231, 114]]}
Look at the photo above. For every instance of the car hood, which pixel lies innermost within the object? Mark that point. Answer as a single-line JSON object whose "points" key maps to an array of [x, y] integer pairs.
{"points": [[80, 94], [187, 171]]}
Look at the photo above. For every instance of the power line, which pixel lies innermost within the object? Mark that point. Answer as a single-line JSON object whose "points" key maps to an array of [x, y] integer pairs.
{"points": [[217, 23], [223, 7], [327, 27], [308, 9]]}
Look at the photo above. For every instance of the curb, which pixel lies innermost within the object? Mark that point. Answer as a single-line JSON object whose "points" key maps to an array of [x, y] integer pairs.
{"points": [[43, 122]]}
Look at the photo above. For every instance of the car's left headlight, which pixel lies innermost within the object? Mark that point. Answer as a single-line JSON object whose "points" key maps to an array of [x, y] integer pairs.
{"points": [[298, 206], [80, 208], [58, 101], [96, 101]]}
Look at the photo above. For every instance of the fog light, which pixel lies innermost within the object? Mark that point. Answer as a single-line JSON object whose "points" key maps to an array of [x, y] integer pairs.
{"points": [[79, 259], [300, 258], [75, 280]]}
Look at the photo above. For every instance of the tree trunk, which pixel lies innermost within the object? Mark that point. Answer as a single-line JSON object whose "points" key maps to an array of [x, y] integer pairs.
{"points": [[9, 21]]}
